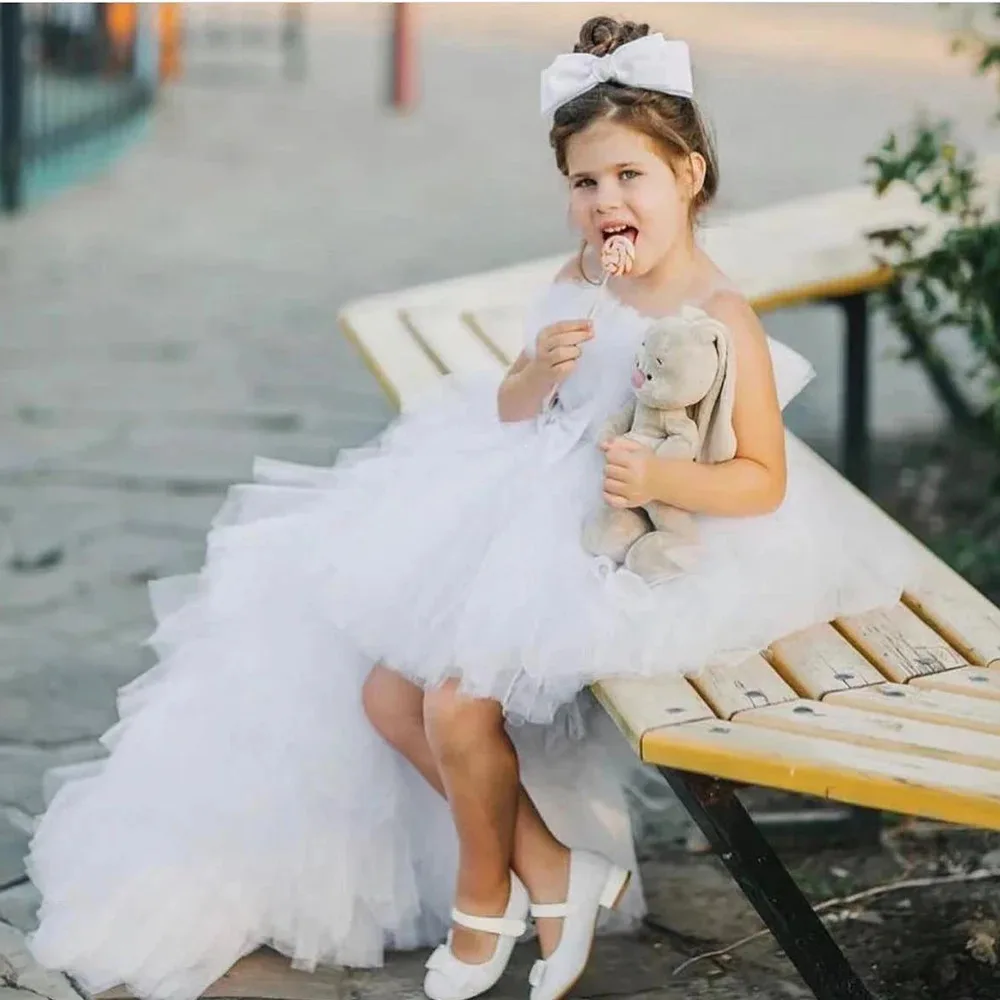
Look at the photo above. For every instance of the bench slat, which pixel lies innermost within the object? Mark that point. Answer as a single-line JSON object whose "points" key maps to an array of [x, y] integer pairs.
{"points": [[401, 368], [734, 688], [819, 660], [899, 643], [483, 289], [938, 595], [450, 343], [815, 246], [977, 682], [501, 327], [959, 612], [638, 705], [872, 729], [866, 776], [928, 705]]}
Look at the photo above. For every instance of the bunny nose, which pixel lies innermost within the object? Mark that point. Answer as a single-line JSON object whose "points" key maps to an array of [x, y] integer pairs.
{"points": [[638, 378]]}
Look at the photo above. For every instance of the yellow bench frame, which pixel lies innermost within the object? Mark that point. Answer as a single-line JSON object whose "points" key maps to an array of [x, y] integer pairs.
{"points": [[897, 709]]}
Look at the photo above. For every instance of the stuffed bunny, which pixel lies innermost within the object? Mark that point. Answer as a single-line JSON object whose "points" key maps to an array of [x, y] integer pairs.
{"points": [[682, 408]]}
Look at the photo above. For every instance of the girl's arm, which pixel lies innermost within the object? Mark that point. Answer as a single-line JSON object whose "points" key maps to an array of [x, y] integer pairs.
{"points": [[751, 483], [529, 380], [523, 390]]}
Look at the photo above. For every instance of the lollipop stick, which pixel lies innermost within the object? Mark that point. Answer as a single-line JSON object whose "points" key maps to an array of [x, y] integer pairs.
{"points": [[599, 295], [616, 258]]}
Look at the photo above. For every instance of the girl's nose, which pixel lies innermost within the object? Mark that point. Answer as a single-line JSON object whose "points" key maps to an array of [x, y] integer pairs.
{"points": [[608, 198]]}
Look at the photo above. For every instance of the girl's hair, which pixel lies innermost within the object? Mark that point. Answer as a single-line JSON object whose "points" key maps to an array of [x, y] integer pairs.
{"points": [[674, 123]]}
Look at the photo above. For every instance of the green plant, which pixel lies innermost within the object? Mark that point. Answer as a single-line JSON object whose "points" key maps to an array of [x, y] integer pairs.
{"points": [[946, 281]]}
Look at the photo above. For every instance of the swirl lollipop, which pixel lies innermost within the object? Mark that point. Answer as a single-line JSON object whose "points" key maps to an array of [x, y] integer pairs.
{"points": [[617, 258]]}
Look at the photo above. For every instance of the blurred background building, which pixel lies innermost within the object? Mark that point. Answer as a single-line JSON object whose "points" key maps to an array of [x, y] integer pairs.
{"points": [[77, 80]]}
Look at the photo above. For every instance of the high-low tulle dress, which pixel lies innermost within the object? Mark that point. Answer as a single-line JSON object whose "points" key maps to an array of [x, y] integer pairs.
{"points": [[246, 800]]}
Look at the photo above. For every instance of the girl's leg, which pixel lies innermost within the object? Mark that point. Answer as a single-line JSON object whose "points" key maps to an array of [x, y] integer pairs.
{"points": [[479, 772], [398, 711]]}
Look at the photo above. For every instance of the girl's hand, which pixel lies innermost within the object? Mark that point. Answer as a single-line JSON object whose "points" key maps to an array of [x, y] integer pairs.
{"points": [[627, 472], [558, 348]]}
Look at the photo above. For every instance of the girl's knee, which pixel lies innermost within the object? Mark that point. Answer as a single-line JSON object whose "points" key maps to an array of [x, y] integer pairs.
{"points": [[457, 724], [393, 705]]}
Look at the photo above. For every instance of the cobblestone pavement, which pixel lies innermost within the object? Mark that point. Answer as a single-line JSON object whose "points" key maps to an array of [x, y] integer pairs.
{"points": [[165, 322]]}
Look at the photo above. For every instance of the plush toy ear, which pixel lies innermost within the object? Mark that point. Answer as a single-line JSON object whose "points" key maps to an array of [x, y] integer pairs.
{"points": [[714, 414]]}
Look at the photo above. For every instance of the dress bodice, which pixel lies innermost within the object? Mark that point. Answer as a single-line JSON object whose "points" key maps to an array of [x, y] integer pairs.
{"points": [[600, 383]]}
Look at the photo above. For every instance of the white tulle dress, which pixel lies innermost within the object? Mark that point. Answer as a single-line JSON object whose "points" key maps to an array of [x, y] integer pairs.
{"points": [[246, 800]]}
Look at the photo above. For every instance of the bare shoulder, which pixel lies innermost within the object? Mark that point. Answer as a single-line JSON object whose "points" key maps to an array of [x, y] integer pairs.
{"points": [[749, 344], [730, 307]]}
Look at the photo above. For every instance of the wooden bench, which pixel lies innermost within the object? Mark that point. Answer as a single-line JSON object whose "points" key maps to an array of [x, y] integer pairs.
{"points": [[897, 709]]}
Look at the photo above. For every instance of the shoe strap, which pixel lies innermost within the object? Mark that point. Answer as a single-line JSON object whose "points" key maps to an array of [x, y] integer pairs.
{"points": [[549, 909], [537, 973], [504, 926]]}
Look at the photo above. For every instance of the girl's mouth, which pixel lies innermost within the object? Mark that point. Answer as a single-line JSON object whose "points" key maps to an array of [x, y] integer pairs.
{"points": [[629, 232]]}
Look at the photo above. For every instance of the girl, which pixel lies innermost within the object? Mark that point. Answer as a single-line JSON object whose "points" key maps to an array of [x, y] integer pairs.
{"points": [[367, 722]]}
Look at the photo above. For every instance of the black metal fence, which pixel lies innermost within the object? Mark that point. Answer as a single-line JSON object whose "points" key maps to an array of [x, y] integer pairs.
{"points": [[66, 79]]}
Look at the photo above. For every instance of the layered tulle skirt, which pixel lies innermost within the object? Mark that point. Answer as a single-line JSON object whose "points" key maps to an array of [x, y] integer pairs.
{"points": [[245, 799]]}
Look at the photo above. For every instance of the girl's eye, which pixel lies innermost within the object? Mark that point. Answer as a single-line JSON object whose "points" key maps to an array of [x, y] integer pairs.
{"points": [[627, 175], [583, 182]]}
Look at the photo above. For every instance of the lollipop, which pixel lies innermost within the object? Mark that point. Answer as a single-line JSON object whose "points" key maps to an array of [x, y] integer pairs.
{"points": [[617, 256]]}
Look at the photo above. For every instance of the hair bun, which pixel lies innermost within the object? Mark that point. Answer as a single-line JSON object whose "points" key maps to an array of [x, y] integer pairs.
{"points": [[601, 35]]}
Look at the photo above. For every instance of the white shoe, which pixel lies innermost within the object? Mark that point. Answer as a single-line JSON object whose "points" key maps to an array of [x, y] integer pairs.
{"points": [[449, 978], [593, 882]]}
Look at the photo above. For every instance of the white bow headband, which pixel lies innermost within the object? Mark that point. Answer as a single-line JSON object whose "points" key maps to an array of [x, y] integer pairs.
{"points": [[649, 63]]}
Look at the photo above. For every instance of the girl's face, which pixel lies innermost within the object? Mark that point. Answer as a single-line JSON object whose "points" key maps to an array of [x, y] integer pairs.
{"points": [[620, 181]]}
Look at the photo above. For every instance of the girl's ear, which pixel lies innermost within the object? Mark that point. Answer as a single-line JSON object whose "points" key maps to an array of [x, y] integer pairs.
{"points": [[698, 168]]}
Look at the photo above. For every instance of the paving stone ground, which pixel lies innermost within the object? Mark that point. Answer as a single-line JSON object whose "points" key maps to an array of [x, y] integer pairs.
{"points": [[168, 320]]}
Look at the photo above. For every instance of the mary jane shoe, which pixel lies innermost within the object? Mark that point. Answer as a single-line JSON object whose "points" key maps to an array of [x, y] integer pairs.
{"points": [[449, 978], [594, 881]]}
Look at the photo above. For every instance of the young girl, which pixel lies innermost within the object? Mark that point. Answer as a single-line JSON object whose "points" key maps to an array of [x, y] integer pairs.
{"points": [[367, 728]]}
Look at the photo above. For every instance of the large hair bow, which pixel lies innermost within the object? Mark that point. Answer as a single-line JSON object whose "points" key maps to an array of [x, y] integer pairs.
{"points": [[648, 63]]}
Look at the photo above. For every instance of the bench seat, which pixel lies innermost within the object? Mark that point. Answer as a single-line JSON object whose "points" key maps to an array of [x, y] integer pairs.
{"points": [[909, 687]]}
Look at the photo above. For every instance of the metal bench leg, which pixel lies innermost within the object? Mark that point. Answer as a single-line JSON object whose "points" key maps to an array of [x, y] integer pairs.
{"points": [[765, 881], [856, 457]]}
